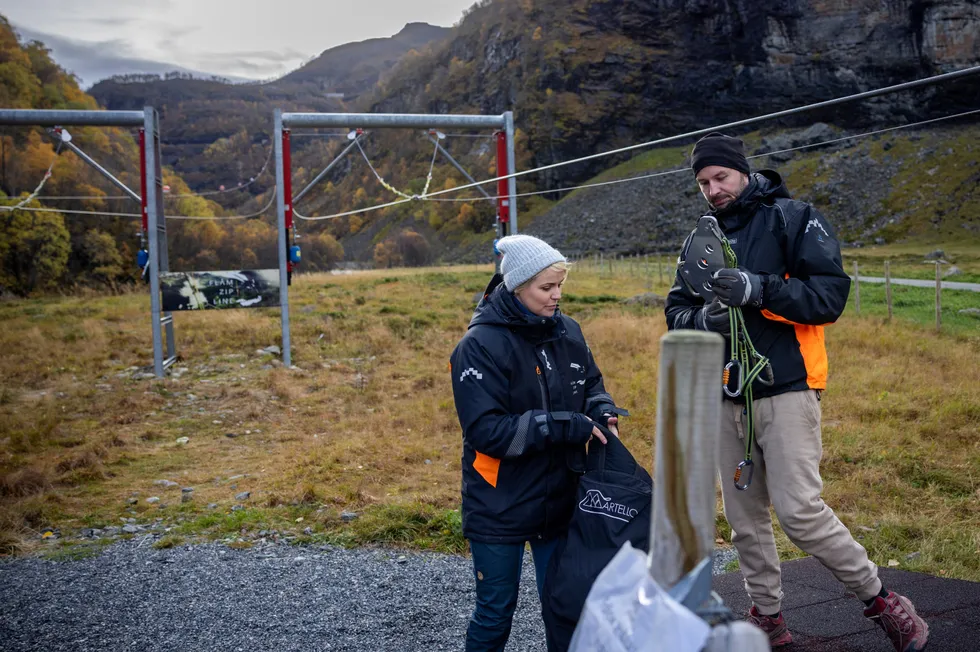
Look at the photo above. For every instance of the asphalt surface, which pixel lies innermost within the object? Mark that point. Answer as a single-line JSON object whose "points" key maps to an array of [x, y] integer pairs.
{"points": [[920, 283]]}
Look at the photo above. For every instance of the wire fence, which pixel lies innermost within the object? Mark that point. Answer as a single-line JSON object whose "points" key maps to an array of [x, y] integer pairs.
{"points": [[936, 294]]}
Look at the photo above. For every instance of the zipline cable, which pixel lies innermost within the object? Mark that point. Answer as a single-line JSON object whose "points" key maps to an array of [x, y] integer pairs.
{"points": [[644, 176]]}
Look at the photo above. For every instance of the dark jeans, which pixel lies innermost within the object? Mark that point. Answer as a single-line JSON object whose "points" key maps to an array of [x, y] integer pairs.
{"points": [[497, 569]]}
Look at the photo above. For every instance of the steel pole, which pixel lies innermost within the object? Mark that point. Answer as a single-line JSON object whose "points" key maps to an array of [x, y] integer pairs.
{"points": [[101, 170], [281, 172], [511, 170], [154, 235], [55, 118], [391, 120], [324, 172], [459, 167]]}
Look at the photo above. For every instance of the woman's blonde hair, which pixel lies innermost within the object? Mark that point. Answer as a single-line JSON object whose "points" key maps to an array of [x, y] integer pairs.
{"points": [[560, 266]]}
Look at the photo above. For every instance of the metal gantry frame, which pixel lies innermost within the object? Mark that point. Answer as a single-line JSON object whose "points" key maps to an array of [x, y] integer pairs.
{"points": [[282, 122], [150, 197]]}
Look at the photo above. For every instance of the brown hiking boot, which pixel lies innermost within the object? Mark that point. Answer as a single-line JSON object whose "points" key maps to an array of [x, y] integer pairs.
{"points": [[896, 615], [775, 628]]}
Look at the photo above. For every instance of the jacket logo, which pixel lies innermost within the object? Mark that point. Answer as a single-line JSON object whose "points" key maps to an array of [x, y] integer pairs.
{"points": [[577, 367], [471, 372], [547, 364], [815, 222], [595, 503]]}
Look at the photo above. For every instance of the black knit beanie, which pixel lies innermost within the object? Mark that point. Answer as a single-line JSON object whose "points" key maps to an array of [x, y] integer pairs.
{"points": [[719, 149]]}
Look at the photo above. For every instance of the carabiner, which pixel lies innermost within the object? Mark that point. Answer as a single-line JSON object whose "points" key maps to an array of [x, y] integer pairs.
{"points": [[744, 464], [730, 379]]}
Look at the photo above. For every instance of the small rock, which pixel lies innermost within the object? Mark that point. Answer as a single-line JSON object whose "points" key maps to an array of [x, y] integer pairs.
{"points": [[428, 462], [646, 299], [183, 440], [402, 559], [186, 490], [165, 483], [274, 350], [231, 435], [347, 517], [972, 312], [952, 271], [237, 508], [933, 255], [893, 563], [130, 529], [243, 495], [153, 500], [186, 498], [212, 505], [913, 555], [308, 531], [132, 501]]}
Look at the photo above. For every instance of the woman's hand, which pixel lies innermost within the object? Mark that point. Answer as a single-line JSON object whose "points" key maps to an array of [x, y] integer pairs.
{"points": [[612, 424], [598, 435]]}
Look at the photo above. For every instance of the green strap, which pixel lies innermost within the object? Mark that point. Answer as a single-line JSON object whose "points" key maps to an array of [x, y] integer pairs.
{"points": [[743, 354]]}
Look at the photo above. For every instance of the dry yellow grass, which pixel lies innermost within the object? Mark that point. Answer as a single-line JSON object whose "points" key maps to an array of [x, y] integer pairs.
{"points": [[367, 422]]}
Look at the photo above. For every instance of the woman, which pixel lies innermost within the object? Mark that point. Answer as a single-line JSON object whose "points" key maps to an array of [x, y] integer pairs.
{"points": [[528, 394]]}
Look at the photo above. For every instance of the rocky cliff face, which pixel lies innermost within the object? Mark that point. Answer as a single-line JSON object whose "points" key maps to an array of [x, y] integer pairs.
{"points": [[584, 76]]}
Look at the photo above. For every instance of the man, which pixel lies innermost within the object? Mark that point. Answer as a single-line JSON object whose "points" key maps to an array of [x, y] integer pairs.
{"points": [[789, 284]]}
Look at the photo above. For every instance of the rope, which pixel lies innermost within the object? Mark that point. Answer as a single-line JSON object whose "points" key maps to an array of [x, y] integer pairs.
{"points": [[354, 212], [44, 179], [743, 355], [687, 169], [64, 210], [268, 205], [206, 193], [428, 178]]}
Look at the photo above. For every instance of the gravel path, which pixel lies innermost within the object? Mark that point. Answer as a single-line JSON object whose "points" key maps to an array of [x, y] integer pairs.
{"points": [[280, 597]]}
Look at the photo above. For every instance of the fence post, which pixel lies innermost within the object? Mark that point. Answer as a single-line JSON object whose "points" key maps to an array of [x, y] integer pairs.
{"points": [[660, 269], [888, 288], [857, 289], [939, 299], [682, 531]]}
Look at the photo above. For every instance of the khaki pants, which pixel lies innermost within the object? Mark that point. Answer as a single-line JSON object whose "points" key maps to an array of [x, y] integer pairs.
{"points": [[787, 474]]}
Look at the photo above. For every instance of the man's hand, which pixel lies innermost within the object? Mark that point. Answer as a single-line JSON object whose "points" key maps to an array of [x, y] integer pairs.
{"points": [[714, 317], [736, 287]]}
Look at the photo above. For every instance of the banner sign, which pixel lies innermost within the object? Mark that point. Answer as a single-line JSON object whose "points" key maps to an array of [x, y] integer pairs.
{"points": [[251, 288]]}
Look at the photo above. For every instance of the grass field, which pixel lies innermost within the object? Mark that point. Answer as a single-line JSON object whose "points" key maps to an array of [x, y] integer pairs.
{"points": [[366, 422]]}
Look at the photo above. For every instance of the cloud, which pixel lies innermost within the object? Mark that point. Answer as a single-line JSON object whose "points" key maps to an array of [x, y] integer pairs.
{"points": [[92, 61]]}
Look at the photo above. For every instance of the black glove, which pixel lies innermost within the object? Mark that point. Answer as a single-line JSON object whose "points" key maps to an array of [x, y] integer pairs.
{"points": [[736, 287], [713, 317], [578, 429]]}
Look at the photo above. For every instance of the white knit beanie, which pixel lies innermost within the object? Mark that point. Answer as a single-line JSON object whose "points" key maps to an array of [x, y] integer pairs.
{"points": [[524, 257]]}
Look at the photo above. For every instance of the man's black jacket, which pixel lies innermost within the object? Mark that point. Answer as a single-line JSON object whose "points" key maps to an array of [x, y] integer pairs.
{"points": [[804, 286], [516, 377]]}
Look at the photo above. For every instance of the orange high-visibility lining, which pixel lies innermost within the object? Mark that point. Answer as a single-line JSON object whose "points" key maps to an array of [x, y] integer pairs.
{"points": [[812, 348], [487, 467]]}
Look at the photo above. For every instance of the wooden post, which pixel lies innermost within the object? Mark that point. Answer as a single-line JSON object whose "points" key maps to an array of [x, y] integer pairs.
{"points": [[888, 288], [857, 289], [939, 298], [602, 264], [647, 271], [682, 530], [660, 269]]}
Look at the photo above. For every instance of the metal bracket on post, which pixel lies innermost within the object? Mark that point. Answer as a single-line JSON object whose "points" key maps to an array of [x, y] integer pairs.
{"points": [[280, 140]]}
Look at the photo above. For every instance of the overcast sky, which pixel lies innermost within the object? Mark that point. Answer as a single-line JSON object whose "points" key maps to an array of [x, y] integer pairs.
{"points": [[253, 39]]}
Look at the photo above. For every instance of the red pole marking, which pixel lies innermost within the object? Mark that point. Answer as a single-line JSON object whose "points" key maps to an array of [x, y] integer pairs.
{"points": [[143, 209], [287, 179], [503, 201]]}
